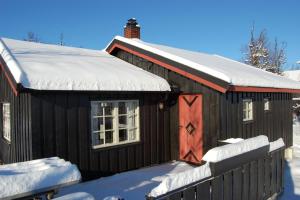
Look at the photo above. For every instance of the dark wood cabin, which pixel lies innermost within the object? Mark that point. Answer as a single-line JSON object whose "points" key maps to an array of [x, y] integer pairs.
{"points": [[179, 119]]}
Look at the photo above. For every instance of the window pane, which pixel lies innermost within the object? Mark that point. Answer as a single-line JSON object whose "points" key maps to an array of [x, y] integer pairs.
{"points": [[97, 110], [6, 121], [122, 108], [98, 124], [123, 135], [132, 135], [131, 122], [109, 137], [101, 138], [108, 123], [123, 122], [108, 108], [130, 108]]}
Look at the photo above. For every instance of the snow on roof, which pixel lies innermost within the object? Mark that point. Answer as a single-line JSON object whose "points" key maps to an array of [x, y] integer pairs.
{"points": [[26, 178], [52, 67], [230, 71], [292, 74]]}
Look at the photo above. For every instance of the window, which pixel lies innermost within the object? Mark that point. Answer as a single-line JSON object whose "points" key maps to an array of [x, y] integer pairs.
{"points": [[6, 121], [247, 110], [114, 122], [267, 104]]}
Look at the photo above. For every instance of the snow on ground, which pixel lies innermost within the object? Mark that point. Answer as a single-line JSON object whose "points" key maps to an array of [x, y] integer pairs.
{"points": [[76, 196], [292, 169], [129, 185], [26, 177], [52, 67]]}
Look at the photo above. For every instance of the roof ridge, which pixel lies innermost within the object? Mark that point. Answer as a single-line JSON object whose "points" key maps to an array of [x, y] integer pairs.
{"points": [[178, 59]]}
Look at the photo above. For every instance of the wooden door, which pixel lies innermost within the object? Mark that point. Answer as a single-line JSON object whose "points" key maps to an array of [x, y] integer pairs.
{"points": [[190, 128]]}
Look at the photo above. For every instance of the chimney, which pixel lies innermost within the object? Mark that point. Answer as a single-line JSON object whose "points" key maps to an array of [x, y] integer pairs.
{"points": [[132, 29]]}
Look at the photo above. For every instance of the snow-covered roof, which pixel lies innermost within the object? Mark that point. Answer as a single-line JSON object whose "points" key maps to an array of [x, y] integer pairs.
{"points": [[233, 72], [292, 74], [52, 67]]}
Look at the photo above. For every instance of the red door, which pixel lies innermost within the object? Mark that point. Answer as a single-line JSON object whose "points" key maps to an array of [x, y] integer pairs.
{"points": [[190, 128]]}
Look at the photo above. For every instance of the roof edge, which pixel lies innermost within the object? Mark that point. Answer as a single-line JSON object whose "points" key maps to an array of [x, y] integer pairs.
{"points": [[114, 45], [234, 88]]}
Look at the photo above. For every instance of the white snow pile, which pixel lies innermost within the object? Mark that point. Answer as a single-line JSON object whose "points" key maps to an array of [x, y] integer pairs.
{"points": [[113, 198], [181, 179], [230, 150], [52, 67], [133, 184], [76, 196], [36, 175], [276, 144], [232, 140], [230, 71]]}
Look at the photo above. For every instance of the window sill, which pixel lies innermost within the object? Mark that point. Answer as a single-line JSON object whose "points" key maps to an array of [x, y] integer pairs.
{"points": [[6, 140], [99, 148], [248, 121]]}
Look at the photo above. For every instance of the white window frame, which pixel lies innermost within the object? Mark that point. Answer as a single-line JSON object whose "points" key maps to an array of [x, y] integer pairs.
{"points": [[115, 124], [6, 120], [247, 110], [267, 104]]}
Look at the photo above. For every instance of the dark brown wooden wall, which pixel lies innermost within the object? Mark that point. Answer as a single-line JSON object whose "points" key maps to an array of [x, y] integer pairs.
{"points": [[222, 113], [211, 99], [61, 127], [20, 147], [275, 123]]}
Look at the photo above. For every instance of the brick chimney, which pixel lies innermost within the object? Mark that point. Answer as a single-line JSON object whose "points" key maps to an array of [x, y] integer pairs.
{"points": [[132, 29]]}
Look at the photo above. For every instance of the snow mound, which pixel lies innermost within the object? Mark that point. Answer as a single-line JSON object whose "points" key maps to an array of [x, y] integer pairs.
{"points": [[31, 176], [181, 179], [76, 196], [276, 144], [52, 67], [230, 150], [232, 140], [113, 198]]}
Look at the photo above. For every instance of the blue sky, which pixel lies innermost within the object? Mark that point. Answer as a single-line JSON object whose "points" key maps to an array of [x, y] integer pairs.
{"points": [[216, 26]]}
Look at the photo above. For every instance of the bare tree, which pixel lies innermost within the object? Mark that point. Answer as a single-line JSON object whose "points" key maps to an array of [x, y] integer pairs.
{"points": [[32, 37], [61, 39], [259, 52]]}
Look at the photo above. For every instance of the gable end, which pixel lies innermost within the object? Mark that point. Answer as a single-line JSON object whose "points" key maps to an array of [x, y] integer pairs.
{"points": [[12, 82], [181, 69]]}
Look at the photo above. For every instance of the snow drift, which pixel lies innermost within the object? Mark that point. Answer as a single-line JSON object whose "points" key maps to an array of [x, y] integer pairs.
{"points": [[36, 175]]}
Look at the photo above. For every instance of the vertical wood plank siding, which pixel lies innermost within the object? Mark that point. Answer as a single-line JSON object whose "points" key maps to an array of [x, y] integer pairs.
{"points": [[211, 111], [275, 123], [20, 148], [222, 113], [62, 128]]}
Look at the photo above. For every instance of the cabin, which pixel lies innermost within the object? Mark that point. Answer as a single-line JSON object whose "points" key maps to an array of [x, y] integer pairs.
{"points": [[133, 104]]}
